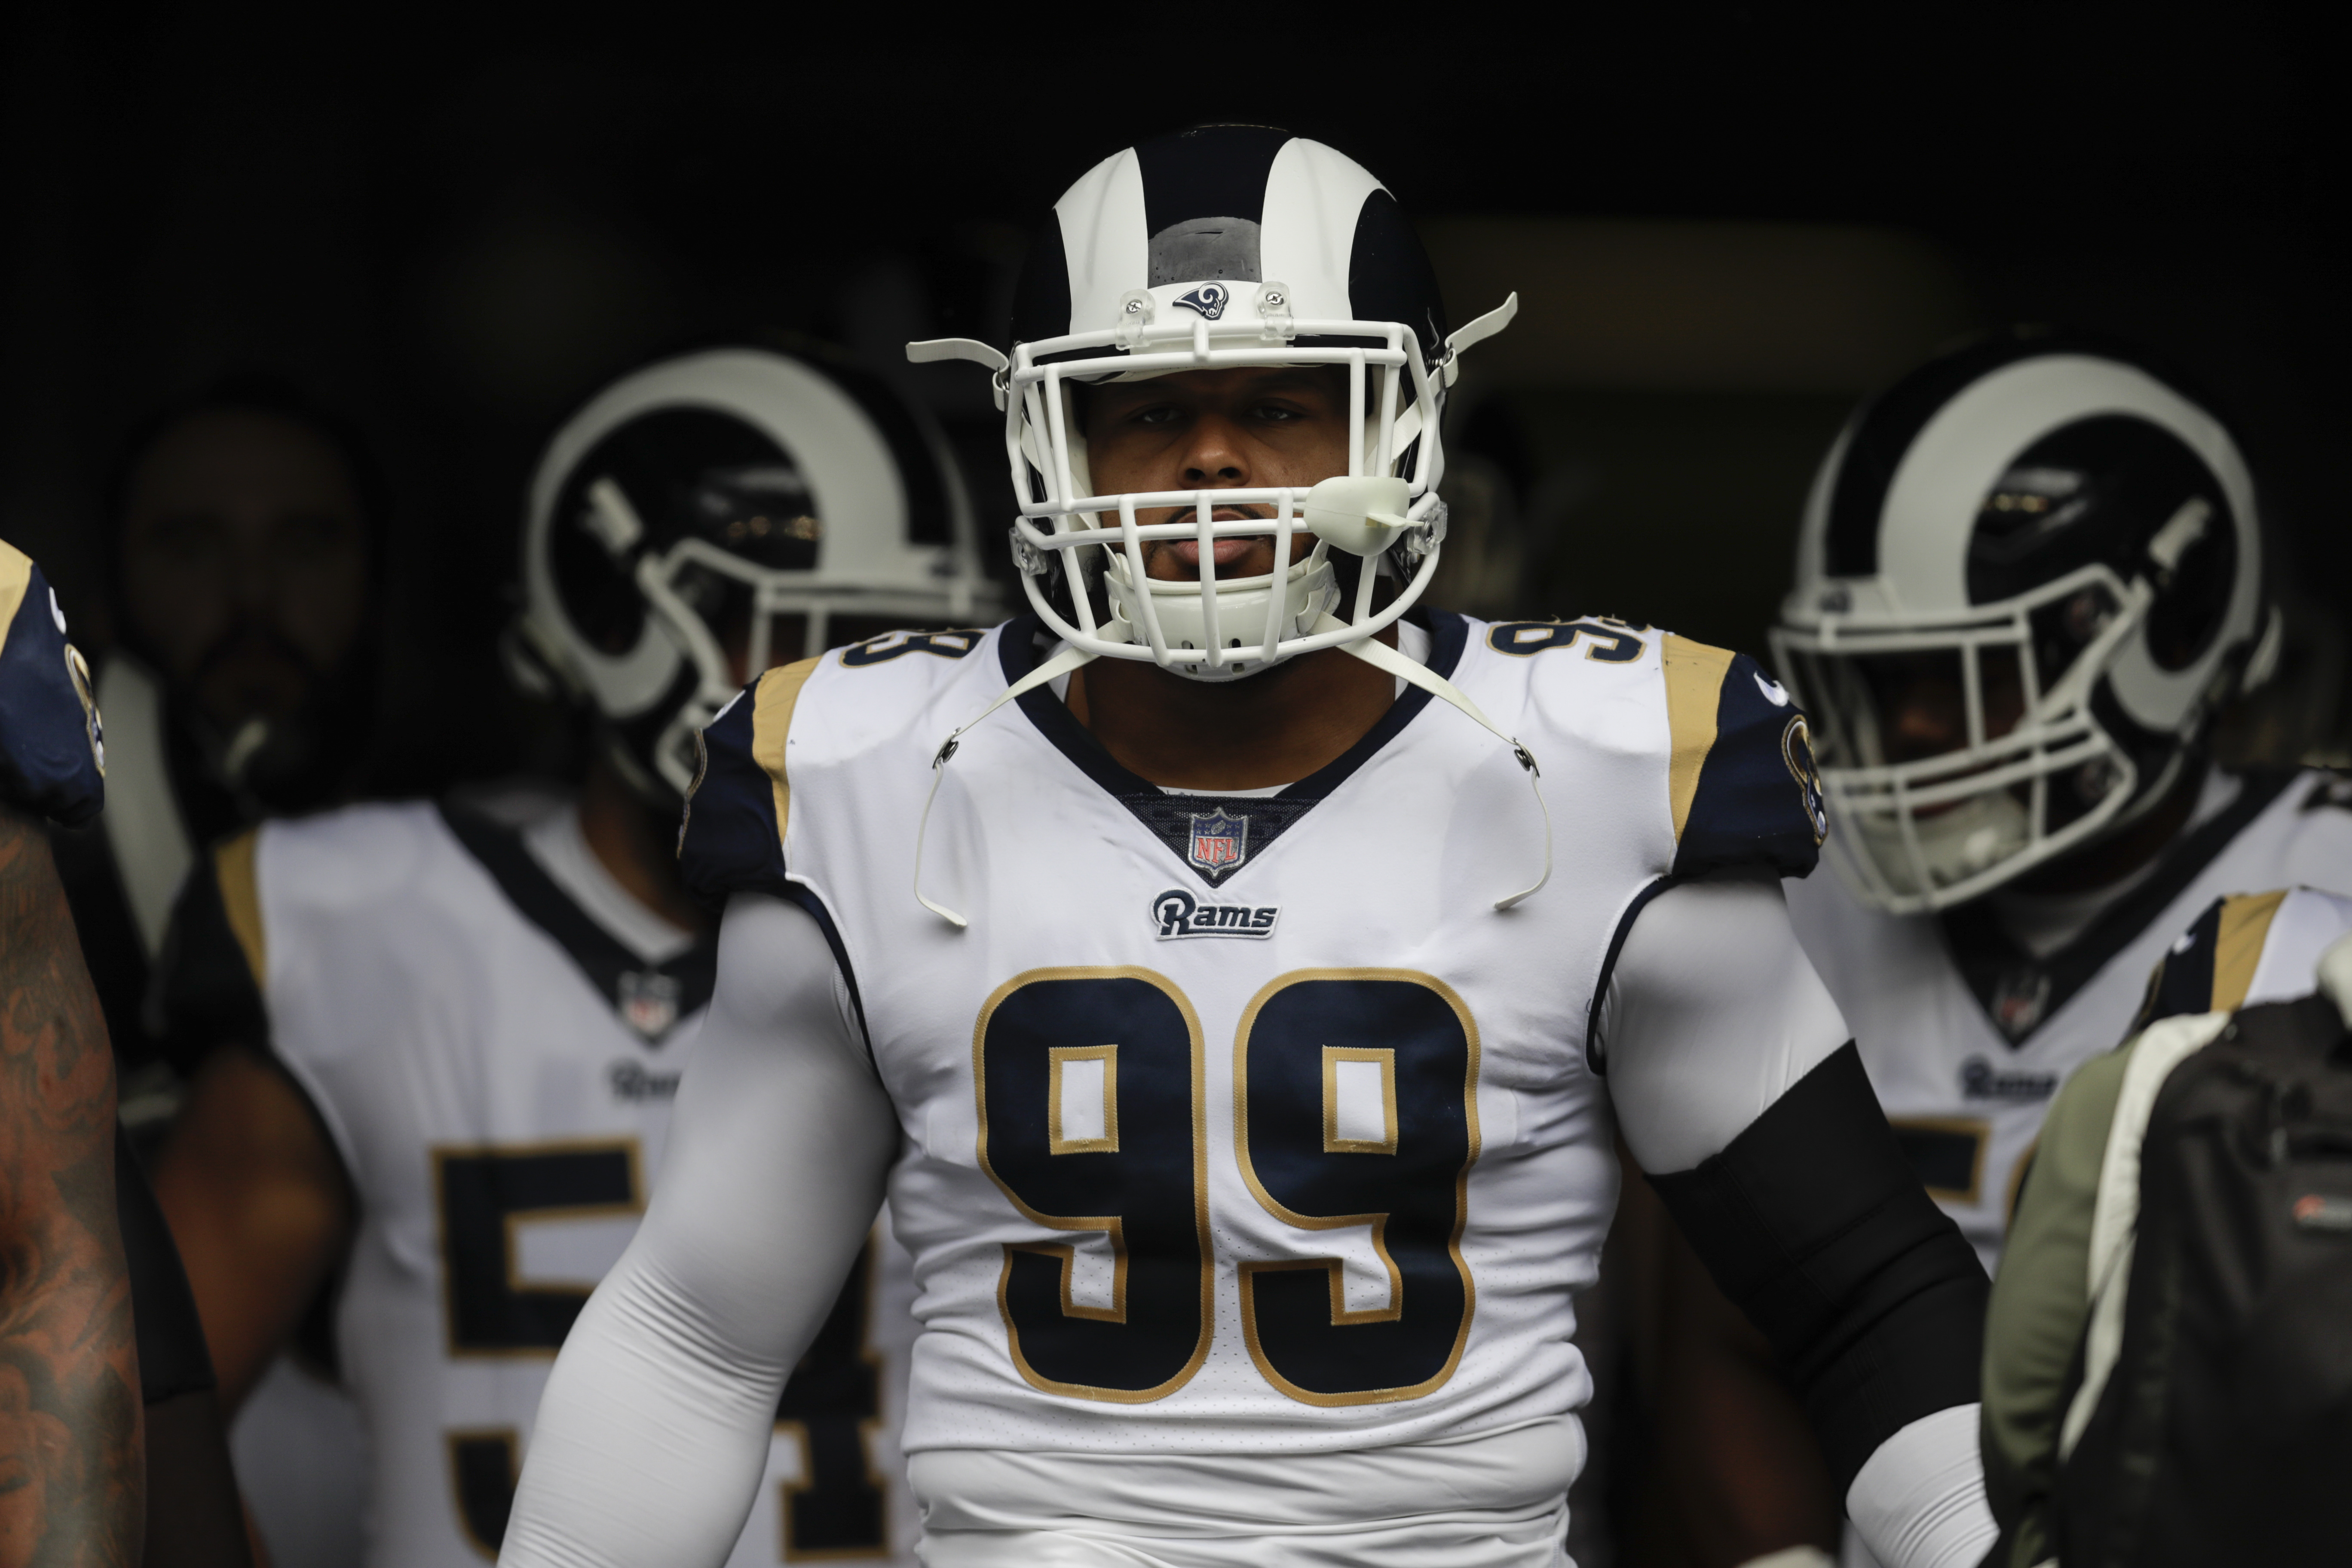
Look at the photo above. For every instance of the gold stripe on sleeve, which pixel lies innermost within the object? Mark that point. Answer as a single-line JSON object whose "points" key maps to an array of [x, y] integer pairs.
{"points": [[15, 576], [771, 720], [1694, 689], [2244, 925], [240, 894]]}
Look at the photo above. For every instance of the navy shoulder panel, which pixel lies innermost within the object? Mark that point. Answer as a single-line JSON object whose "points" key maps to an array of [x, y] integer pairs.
{"points": [[732, 840], [1744, 788], [2211, 967], [52, 754]]}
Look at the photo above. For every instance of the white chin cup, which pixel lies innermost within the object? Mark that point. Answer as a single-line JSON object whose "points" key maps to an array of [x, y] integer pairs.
{"points": [[1309, 592]]}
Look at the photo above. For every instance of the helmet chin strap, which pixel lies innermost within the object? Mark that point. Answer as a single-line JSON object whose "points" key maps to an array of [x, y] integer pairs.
{"points": [[1378, 655], [1381, 656]]}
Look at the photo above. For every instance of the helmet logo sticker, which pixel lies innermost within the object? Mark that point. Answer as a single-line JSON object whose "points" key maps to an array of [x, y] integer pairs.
{"points": [[1797, 750], [1219, 841], [1209, 299]]}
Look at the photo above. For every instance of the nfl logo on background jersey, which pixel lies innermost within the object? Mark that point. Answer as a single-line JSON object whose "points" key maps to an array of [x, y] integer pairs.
{"points": [[1219, 841]]}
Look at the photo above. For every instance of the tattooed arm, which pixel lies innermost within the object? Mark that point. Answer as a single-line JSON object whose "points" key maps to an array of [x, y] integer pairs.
{"points": [[71, 1472]]}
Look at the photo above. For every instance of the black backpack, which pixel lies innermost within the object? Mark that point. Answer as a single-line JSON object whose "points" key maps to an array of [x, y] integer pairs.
{"points": [[2224, 1433]]}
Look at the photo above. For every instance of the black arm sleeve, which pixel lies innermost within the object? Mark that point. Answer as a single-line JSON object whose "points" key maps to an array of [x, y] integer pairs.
{"points": [[172, 1359], [1814, 1223], [204, 994]]}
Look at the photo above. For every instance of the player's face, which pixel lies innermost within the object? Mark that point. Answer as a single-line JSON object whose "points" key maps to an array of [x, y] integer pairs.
{"points": [[1218, 430], [1923, 701], [245, 561]]}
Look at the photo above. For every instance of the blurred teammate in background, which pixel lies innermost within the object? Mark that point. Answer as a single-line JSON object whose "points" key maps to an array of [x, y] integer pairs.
{"points": [[86, 1250], [244, 534], [2030, 575], [447, 1063]]}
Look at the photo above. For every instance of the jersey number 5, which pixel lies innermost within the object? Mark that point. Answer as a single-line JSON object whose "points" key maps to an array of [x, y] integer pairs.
{"points": [[835, 1510], [1355, 1105]]}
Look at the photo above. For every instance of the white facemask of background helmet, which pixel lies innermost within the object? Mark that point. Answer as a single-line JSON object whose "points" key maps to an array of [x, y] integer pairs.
{"points": [[784, 503], [1220, 248], [2059, 549]]}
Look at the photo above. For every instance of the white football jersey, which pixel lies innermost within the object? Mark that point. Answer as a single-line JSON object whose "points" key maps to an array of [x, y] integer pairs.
{"points": [[1967, 1035], [1246, 1123], [495, 1064]]}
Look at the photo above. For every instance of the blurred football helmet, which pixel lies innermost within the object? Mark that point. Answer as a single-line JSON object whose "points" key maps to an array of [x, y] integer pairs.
{"points": [[1223, 246], [2027, 576], [710, 516]]}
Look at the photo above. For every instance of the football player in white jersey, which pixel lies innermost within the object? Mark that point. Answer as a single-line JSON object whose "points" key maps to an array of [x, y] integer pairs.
{"points": [[453, 1038], [1237, 1017], [2028, 577]]}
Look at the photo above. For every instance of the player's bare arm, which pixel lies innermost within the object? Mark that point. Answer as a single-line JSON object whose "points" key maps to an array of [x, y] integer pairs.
{"points": [[260, 1208], [71, 1470]]}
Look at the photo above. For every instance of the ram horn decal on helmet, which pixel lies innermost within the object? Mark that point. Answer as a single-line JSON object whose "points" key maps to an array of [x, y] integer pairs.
{"points": [[2048, 543], [710, 515], [1220, 247]]}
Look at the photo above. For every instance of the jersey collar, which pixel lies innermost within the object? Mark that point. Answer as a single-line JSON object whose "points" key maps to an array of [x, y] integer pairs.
{"points": [[1262, 819]]}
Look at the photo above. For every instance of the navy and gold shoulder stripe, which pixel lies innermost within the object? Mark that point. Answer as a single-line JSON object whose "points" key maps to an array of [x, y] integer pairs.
{"points": [[733, 837], [52, 751], [2211, 967], [1741, 782]]}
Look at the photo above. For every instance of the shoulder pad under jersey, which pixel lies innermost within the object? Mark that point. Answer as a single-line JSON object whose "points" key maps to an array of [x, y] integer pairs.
{"points": [[732, 839], [2246, 948], [1742, 783], [52, 751]]}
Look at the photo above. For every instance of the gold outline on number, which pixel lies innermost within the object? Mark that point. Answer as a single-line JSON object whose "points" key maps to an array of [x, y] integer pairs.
{"points": [[797, 1430], [1117, 1311], [1055, 1057], [453, 1436], [1978, 1130], [1334, 1268], [439, 1155], [1384, 1057]]}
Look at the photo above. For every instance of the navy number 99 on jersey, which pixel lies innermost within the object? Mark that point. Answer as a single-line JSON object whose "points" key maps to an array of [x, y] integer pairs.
{"points": [[1355, 1105]]}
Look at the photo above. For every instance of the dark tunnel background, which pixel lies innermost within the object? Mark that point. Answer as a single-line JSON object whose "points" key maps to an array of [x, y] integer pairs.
{"points": [[1725, 226]]}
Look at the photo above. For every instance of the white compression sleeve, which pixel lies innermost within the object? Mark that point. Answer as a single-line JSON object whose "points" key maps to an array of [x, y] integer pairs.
{"points": [[1919, 1501], [1712, 1012], [655, 1427]]}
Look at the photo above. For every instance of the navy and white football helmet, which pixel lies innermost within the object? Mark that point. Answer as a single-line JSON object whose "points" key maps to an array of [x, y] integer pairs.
{"points": [[2045, 536], [709, 516], [1223, 246]]}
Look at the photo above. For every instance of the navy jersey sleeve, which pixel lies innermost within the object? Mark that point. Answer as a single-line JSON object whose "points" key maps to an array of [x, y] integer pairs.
{"points": [[52, 756], [2210, 968], [1743, 787], [732, 839], [207, 990]]}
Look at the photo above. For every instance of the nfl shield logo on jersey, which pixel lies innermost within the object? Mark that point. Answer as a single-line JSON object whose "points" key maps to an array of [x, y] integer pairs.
{"points": [[649, 1002], [1219, 841]]}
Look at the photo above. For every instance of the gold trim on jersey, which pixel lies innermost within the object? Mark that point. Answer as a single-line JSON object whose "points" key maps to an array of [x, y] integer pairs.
{"points": [[1055, 1056], [16, 577], [868, 1430], [771, 721], [1384, 1056], [1694, 675], [450, 1440], [2238, 938], [240, 892], [1334, 1268], [1108, 1224], [439, 1155], [1979, 1135]]}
